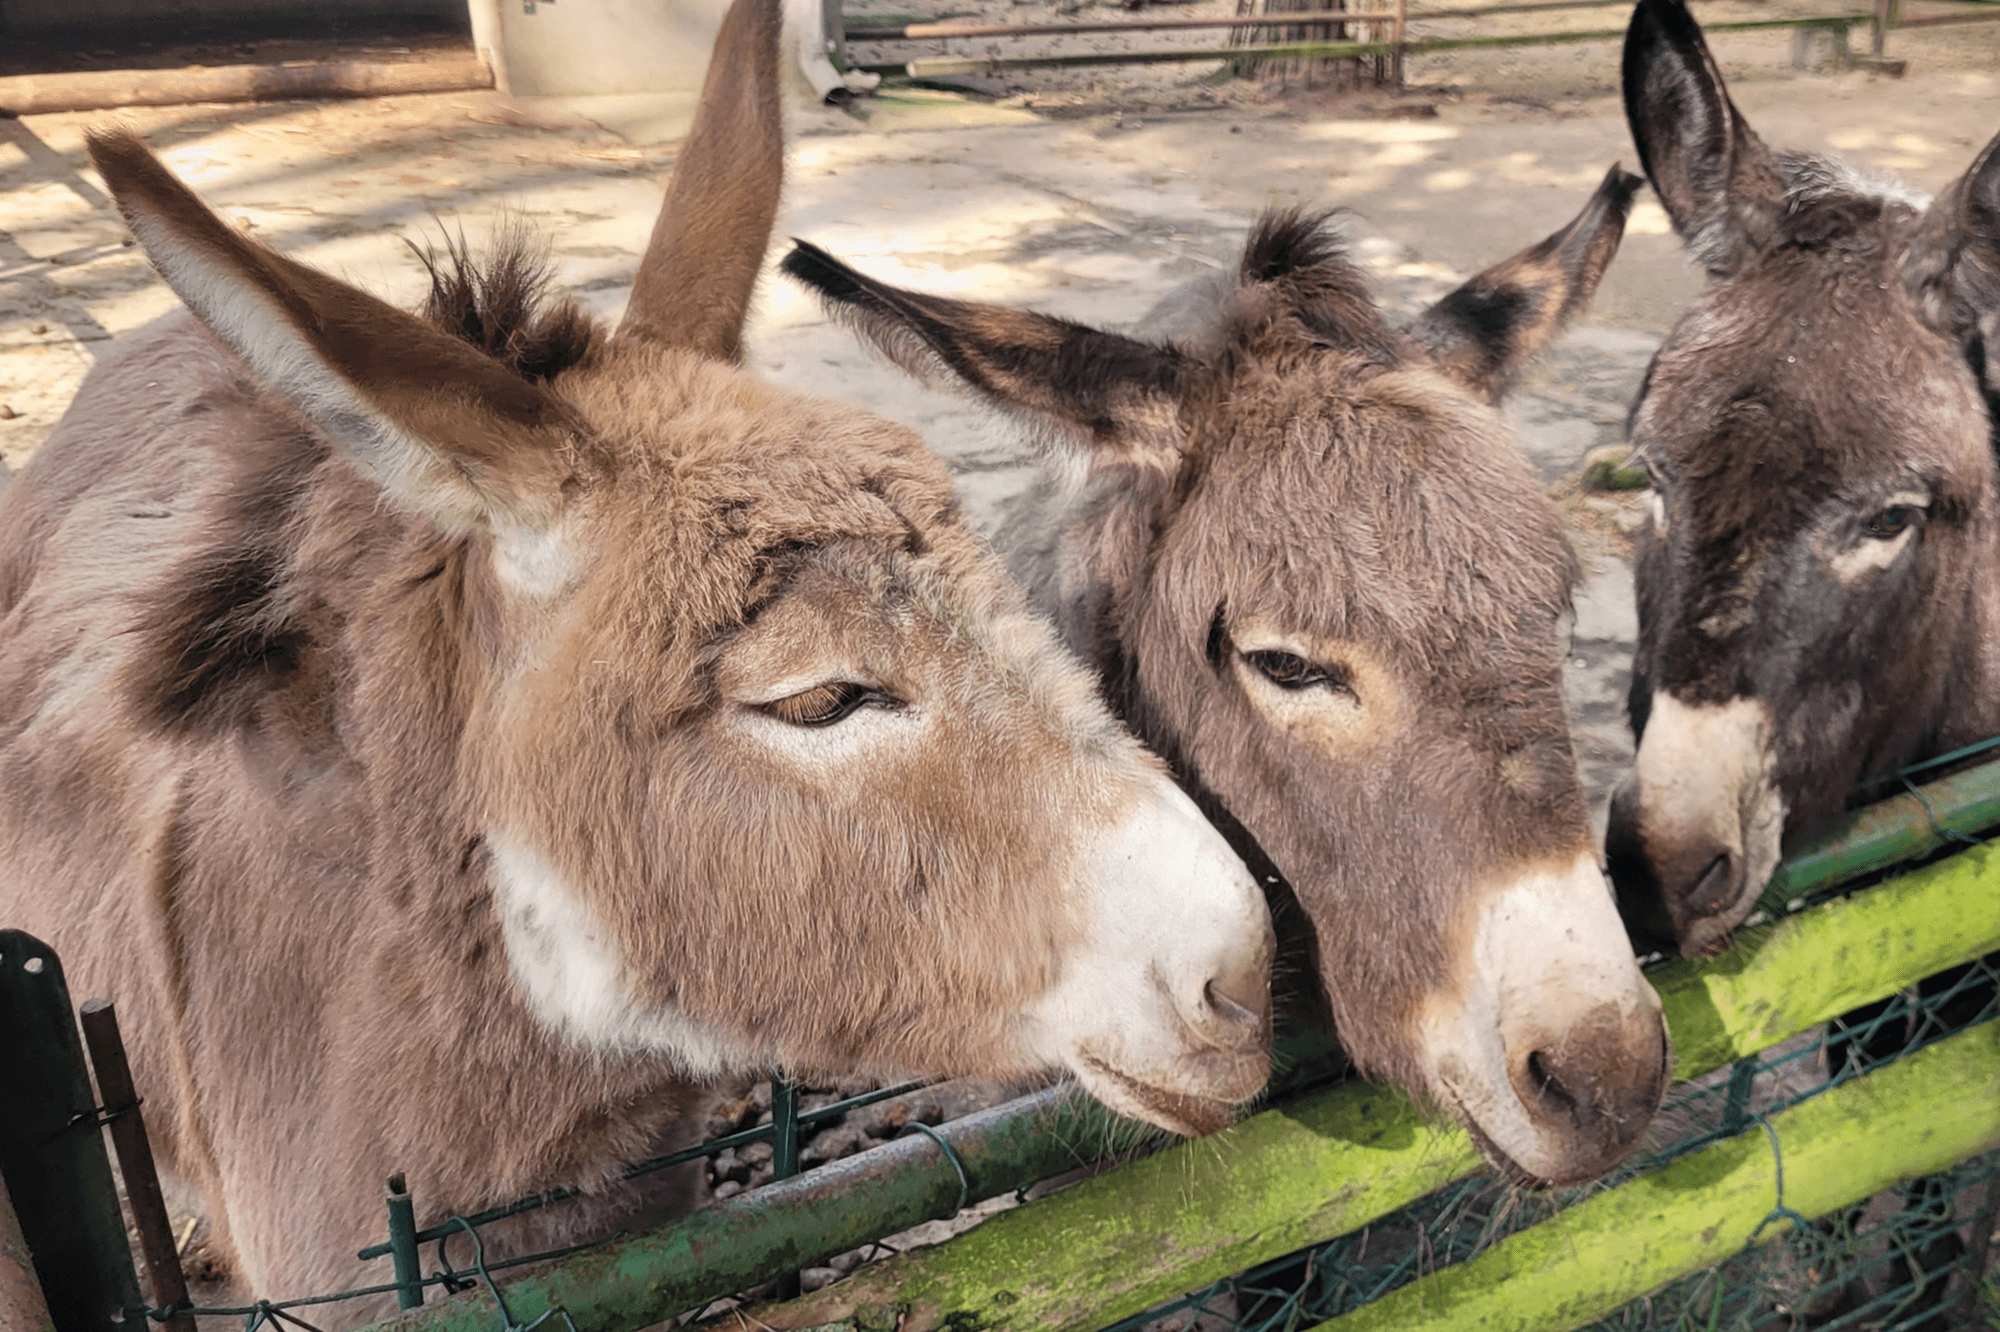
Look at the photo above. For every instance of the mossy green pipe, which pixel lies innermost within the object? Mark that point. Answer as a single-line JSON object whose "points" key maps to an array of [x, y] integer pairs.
{"points": [[1916, 1116], [1778, 980], [1330, 1162], [1906, 826]]}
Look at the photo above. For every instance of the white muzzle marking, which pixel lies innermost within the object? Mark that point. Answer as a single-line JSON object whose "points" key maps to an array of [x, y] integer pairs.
{"points": [[1704, 779], [1549, 957], [1169, 908]]}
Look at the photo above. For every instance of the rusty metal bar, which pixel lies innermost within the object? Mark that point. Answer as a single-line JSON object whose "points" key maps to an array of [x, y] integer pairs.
{"points": [[135, 1160]]}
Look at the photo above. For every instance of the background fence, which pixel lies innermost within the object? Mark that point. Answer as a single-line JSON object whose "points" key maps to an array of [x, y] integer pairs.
{"points": [[1838, 1049], [1384, 32]]}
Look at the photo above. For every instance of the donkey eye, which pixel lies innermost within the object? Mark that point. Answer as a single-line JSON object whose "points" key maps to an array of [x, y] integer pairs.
{"points": [[823, 705], [1289, 671], [1890, 522]]}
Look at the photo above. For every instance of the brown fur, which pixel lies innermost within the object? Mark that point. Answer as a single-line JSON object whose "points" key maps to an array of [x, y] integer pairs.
{"points": [[1304, 466], [696, 277], [315, 614], [1837, 358]]}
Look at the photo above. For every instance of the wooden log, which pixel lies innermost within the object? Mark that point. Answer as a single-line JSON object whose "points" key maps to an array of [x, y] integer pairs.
{"points": [[100, 90], [1330, 1162], [1914, 1117]]}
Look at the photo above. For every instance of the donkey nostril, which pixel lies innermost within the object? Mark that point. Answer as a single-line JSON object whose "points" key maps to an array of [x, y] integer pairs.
{"points": [[1233, 1010], [1548, 1088], [1715, 890]]}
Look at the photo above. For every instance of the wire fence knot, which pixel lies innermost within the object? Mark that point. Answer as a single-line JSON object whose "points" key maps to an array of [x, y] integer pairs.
{"points": [[1779, 1212]]}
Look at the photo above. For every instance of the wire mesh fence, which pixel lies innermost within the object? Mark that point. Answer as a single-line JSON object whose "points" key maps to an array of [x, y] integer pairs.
{"points": [[1912, 1258]]}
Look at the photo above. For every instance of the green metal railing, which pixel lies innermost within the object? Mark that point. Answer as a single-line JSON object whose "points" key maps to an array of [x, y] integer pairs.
{"points": [[1342, 1165]]}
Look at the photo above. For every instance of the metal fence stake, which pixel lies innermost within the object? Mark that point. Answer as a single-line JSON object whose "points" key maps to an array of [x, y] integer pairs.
{"points": [[135, 1160], [52, 1155], [1736, 1102], [403, 1242], [785, 1153]]}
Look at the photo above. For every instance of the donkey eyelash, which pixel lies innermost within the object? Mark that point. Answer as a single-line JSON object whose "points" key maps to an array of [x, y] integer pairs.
{"points": [[1891, 522], [824, 705], [1288, 670]]}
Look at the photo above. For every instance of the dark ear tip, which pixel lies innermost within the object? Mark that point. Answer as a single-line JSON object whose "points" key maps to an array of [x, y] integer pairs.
{"points": [[813, 267], [1620, 185], [114, 145], [1662, 20], [803, 257]]}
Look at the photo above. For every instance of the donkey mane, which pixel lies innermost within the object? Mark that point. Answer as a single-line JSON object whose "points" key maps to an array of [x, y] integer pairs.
{"points": [[1298, 263], [504, 305], [1810, 177]]}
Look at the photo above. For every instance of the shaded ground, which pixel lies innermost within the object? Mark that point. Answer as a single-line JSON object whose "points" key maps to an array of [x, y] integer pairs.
{"points": [[273, 42]]}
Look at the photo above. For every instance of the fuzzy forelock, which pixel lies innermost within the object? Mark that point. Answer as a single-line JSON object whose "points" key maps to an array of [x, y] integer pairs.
{"points": [[503, 304], [1297, 256]]}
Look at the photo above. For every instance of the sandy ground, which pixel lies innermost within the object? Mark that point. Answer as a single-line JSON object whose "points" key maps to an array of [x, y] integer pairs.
{"points": [[1085, 193]]}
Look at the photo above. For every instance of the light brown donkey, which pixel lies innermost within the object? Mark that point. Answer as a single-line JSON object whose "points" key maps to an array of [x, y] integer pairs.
{"points": [[1315, 573], [452, 739]]}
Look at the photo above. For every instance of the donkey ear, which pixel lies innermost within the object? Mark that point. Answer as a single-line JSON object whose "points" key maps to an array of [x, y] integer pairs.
{"points": [[1118, 394], [1953, 266], [1511, 310], [446, 430], [694, 285], [1716, 179]]}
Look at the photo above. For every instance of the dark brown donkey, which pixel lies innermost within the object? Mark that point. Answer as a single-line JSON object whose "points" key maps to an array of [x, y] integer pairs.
{"points": [[453, 740], [1315, 573], [1817, 599]]}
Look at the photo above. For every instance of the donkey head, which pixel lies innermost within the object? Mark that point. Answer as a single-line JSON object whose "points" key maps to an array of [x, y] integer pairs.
{"points": [[769, 760], [1317, 576], [1814, 593]]}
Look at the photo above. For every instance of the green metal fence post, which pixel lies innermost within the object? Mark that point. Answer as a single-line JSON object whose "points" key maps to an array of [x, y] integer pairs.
{"points": [[52, 1155], [403, 1242], [785, 1153], [1736, 1102], [21, 1302]]}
